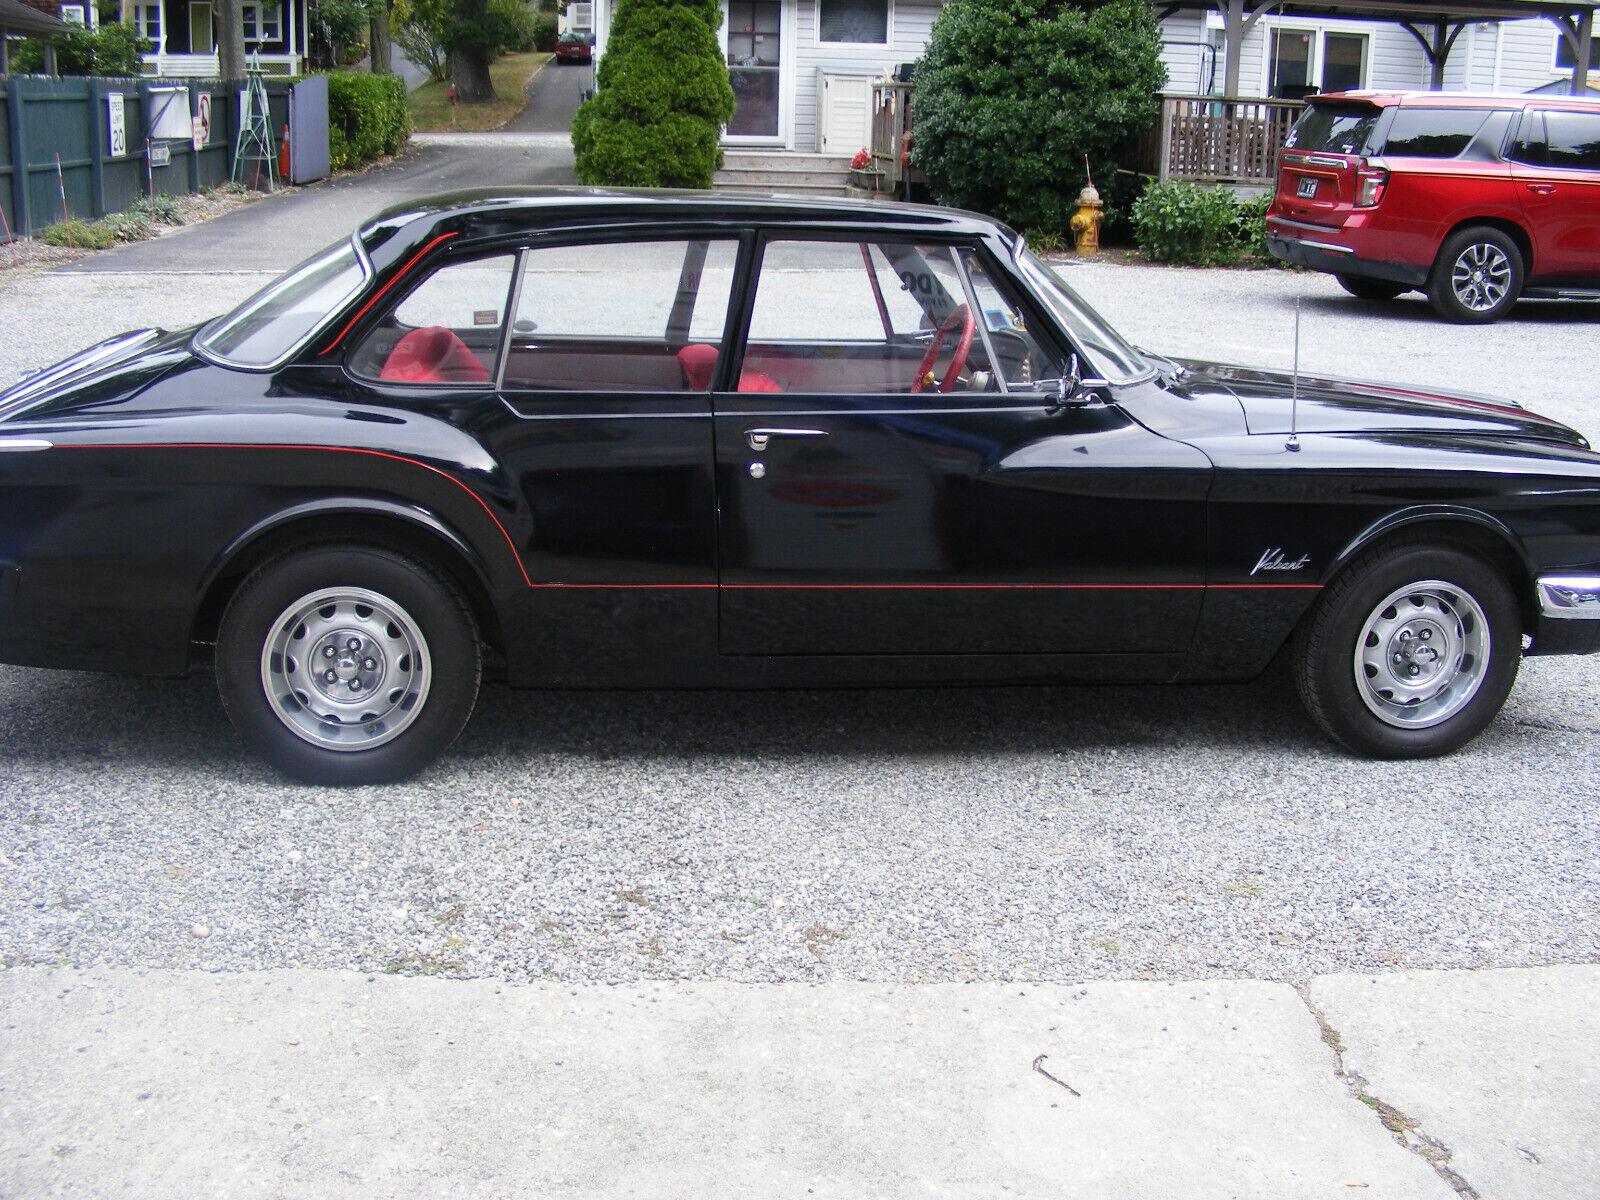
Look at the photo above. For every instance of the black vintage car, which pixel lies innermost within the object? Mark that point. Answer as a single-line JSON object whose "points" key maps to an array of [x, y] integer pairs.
{"points": [[584, 439]]}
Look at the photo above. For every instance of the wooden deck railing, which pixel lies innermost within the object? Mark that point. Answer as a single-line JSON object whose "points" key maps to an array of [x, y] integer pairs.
{"points": [[1222, 139], [1202, 139]]}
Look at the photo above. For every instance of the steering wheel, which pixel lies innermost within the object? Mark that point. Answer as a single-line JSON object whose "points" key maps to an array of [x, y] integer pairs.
{"points": [[960, 315]]}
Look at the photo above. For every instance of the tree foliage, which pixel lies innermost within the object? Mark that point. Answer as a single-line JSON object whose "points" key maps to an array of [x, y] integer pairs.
{"points": [[111, 50], [336, 25], [1012, 94], [663, 97], [419, 30]]}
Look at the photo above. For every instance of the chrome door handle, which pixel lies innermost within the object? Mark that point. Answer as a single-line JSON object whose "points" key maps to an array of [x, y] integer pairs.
{"points": [[1542, 189], [759, 438]]}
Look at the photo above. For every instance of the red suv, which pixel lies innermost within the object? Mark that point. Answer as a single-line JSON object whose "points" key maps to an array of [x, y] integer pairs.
{"points": [[1475, 200]]}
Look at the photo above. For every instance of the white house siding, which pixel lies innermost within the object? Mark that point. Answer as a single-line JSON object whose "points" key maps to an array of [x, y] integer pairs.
{"points": [[909, 24], [1186, 62]]}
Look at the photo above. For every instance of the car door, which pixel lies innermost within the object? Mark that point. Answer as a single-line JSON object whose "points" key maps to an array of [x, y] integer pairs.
{"points": [[866, 509], [583, 399], [1556, 167]]}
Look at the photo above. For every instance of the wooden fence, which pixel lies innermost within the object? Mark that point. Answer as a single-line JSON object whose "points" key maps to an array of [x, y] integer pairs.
{"points": [[46, 121]]}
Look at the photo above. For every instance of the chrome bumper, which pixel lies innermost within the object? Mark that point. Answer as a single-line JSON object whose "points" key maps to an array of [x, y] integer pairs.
{"points": [[1570, 597]]}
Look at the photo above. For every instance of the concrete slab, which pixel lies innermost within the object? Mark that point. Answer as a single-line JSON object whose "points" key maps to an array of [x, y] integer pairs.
{"points": [[302, 1083], [1499, 1066]]}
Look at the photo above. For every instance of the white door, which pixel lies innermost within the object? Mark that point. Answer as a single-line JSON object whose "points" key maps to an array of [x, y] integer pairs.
{"points": [[844, 112]]}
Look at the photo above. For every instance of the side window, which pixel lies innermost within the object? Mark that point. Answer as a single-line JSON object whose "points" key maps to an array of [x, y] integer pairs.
{"points": [[621, 316], [1573, 139], [863, 317], [1530, 144], [446, 329], [1018, 356], [1433, 132]]}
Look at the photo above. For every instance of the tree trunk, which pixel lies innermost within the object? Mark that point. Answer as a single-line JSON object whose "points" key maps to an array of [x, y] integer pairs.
{"points": [[470, 69], [469, 63], [228, 19], [378, 40]]}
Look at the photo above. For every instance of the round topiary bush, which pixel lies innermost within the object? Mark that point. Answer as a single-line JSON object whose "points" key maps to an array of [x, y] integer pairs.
{"points": [[1012, 94], [663, 96]]}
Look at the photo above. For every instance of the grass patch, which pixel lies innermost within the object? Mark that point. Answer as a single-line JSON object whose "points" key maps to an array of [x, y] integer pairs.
{"points": [[432, 112]]}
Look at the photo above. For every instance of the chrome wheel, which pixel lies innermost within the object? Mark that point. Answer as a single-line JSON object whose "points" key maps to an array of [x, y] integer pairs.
{"points": [[1481, 277], [1422, 654], [345, 669]]}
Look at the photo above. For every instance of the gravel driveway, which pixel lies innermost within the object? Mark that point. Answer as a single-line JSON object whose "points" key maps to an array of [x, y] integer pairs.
{"points": [[887, 836]]}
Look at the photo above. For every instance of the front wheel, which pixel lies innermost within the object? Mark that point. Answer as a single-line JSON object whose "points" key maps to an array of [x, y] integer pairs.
{"points": [[1410, 653], [348, 665], [1477, 276]]}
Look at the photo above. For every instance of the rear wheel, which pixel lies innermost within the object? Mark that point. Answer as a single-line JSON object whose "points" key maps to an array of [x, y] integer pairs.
{"points": [[347, 664], [1410, 653], [1477, 276], [1371, 289]]}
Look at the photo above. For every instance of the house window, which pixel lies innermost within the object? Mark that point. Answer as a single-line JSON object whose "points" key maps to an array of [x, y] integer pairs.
{"points": [[1566, 59], [72, 14], [580, 17], [1343, 57], [863, 22], [1291, 63], [1306, 61], [261, 23], [147, 17]]}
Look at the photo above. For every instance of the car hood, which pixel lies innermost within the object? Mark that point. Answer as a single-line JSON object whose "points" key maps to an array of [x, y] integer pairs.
{"points": [[1326, 405], [110, 370]]}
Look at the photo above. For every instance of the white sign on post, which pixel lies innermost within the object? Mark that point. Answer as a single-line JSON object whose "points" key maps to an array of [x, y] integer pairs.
{"points": [[116, 123], [202, 122]]}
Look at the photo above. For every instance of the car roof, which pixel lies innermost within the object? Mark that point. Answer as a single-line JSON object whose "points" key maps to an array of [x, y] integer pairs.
{"points": [[508, 211], [1385, 99]]}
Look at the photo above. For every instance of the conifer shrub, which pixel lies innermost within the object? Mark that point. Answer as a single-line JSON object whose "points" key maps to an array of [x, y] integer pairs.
{"points": [[1012, 94], [662, 98]]}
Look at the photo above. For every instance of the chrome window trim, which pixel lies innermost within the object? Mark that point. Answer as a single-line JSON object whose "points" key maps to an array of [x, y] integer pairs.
{"points": [[368, 273]]}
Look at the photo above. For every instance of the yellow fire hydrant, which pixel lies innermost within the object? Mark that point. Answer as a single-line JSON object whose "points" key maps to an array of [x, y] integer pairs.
{"points": [[1086, 221]]}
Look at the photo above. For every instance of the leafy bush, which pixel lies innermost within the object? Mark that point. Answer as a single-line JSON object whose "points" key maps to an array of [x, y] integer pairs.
{"points": [[366, 117], [111, 50], [1012, 94], [663, 98], [130, 226], [545, 33], [1250, 229], [1185, 223]]}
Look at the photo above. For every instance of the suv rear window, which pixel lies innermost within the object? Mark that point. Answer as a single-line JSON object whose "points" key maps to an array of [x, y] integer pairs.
{"points": [[1333, 128], [1434, 132]]}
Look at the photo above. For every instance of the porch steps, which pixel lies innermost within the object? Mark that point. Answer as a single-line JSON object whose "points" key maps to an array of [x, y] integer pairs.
{"points": [[795, 174]]}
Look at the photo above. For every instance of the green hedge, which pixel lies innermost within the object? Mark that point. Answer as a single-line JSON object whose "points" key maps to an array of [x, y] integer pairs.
{"points": [[366, 117]]}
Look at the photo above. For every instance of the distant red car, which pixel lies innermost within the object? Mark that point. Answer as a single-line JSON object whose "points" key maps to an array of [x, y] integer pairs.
{"points": [[1475, 200], [577, 47]]}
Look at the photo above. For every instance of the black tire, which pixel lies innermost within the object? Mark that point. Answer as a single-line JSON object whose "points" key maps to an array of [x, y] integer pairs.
{"points": [[1410, 653], [1371, 289], [1477, 276], [397, 664]]}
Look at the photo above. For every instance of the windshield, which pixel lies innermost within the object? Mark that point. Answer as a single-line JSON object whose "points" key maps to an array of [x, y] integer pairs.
{"points": [[273, 323], [1111, 357]]}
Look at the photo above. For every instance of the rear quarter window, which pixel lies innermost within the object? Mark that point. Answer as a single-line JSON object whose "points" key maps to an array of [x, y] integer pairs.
{"points": [[1333, 128], [1573, 139], [1434, 132]]}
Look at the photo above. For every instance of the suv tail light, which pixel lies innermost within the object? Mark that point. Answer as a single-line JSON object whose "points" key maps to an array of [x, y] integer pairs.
{"points": [[1372, 178]]}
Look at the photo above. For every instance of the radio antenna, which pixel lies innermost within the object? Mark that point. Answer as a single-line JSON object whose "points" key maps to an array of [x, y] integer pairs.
{"points": [[1293, 444]]}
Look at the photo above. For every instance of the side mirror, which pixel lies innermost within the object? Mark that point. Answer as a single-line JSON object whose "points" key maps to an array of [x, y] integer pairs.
{"points": [[1074, 391]]}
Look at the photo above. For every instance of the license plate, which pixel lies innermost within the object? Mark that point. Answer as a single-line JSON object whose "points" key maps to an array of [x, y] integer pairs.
{"points": [[1308, 187]]}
